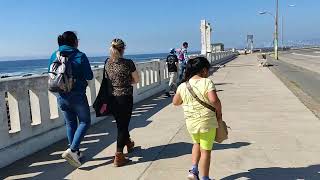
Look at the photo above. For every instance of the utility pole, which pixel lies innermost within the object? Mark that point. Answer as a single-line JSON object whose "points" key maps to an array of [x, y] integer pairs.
{"points": [[282, 31], [276, 28], [276, 34]]}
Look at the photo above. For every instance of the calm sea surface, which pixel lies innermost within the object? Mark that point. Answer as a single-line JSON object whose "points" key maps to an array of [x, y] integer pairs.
{"points": [[39, 66]]}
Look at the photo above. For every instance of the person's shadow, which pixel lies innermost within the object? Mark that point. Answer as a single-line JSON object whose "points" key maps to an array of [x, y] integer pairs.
{"points": [[168, 151], [277, 173]]}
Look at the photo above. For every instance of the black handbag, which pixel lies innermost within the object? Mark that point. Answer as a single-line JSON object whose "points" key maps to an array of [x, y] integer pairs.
{"points": [[104, 95]]}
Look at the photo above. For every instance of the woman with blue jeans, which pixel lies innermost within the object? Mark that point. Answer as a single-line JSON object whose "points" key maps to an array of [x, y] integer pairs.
{"points": [[74, 104]]}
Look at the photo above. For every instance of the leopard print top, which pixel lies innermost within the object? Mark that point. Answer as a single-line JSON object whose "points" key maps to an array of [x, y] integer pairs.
{"points": [[119, 73]]}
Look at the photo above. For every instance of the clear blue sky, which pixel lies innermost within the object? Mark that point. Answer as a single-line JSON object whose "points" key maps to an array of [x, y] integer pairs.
{"points": [[30, 27]]}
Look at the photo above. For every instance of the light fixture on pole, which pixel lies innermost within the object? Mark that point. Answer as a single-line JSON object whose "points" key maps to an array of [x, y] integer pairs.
{"points": [[276, 34]]}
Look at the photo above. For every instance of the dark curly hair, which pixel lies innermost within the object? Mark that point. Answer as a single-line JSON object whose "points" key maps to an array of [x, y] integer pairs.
{"points": [[195, 66], [68, 38]]}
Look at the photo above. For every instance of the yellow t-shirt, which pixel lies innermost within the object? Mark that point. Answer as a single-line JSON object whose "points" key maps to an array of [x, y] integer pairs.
{"points": [[199, 119]]}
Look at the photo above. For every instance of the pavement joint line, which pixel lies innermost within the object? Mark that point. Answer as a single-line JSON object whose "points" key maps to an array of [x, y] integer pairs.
{"points": [[160, 152]]}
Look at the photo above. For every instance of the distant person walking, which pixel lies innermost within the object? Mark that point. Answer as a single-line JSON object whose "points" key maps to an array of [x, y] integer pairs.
{"points": [[201, 122], [73, 100], [183, 58], [172, 63], [122, 74]]}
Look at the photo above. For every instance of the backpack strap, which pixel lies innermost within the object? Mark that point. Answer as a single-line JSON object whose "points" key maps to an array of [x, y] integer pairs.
{"points": [[198, 99]]}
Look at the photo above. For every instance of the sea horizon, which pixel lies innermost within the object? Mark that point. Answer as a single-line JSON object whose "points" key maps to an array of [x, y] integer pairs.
{"points": [[27, 67]]}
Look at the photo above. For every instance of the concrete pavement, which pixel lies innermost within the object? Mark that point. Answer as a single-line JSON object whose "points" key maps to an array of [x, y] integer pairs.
{"points": [[274, 136]]}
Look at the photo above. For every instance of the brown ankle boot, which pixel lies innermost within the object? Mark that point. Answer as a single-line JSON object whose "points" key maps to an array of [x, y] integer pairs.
{"points": [[130, 146], [120, 160]]}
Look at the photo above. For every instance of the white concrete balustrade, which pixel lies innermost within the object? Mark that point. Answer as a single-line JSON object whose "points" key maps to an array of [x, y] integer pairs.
{"points": [[29, 116]]}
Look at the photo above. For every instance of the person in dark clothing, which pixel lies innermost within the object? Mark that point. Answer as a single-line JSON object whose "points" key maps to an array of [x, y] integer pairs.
{"points": [[122, 74], [172, 63], [74, 104]]}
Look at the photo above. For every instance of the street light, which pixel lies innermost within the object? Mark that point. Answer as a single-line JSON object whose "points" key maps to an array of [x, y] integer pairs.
{"points": [[276, 34], [275, 28], [267, 12]]}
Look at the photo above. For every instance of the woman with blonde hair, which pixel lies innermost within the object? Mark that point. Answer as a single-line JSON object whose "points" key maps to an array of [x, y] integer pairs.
{"points": [[121, 74]]}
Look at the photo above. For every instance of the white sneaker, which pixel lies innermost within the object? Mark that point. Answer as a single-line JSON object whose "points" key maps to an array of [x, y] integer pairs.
{"points": [[193, 176], [72, 158]]}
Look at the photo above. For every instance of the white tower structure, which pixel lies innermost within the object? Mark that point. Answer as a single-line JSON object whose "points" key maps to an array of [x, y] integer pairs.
{"points": [[206, 30]]}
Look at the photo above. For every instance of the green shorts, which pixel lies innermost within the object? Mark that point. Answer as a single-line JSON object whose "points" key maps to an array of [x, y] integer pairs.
{"points": [[205, 140]]}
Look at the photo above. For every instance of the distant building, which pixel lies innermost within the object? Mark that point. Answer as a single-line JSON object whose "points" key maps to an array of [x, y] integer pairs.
{"points": [[216, 47]]}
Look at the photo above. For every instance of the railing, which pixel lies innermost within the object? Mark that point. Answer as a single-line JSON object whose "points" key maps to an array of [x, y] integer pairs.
{"points": [[30, 119], [220, 57], [29, 110]]}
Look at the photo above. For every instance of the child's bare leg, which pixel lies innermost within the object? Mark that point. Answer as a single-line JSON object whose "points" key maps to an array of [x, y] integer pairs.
{"points": [[196, 154], [194, 171], [205, 162]]}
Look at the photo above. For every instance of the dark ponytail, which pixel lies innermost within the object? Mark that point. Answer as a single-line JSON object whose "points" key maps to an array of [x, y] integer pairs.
{"points": [[195, 66], [68, 38], [60, 40]]}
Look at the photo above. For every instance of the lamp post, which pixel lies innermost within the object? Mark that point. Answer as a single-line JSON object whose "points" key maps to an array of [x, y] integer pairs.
{"points": [[276, 52], [276, 33]]}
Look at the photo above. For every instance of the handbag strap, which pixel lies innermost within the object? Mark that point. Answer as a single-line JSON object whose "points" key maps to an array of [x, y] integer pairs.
{"points": [[198, 99], [104, 69], [107, 79]]}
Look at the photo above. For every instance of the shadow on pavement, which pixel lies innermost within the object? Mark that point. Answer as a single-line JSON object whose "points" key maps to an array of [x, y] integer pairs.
{"points": [[48, 164], [277, 173], [240, 65], [168, 151], [235, 145], [221, 84]]}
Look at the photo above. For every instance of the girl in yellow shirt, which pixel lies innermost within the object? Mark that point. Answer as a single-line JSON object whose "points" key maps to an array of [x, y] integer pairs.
{"points": [[201, 122]]}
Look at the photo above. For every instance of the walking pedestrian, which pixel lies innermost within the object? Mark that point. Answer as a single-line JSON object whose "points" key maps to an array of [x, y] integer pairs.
{"points": [[201, 122], [122, 74], [183, 59], [172, 63], [73, 101]]}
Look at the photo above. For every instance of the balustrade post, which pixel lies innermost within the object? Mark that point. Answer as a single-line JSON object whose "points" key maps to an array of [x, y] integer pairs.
{"points": [[4, 124]]}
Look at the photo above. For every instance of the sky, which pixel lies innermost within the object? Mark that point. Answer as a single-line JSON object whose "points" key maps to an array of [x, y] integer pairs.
{"points": [[29, 28]]}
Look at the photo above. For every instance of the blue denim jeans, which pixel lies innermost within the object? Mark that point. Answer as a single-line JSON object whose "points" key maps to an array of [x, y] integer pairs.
{"points": [[182, 68], [74, 107]]}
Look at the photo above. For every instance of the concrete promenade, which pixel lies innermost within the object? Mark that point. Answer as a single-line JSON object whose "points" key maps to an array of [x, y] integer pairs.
{"points": [[274, 136]]}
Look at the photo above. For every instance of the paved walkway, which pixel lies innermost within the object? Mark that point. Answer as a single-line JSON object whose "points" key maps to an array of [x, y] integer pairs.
{"points": [[274, 136]]}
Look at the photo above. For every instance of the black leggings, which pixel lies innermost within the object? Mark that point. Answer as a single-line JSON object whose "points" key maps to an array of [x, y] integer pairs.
{"points": [[121, 108]]}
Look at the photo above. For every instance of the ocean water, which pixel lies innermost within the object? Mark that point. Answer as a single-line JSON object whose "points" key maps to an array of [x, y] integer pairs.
{"points": [[39, 66]]}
